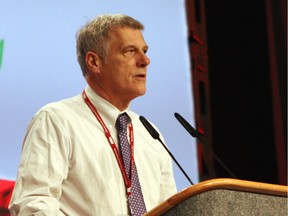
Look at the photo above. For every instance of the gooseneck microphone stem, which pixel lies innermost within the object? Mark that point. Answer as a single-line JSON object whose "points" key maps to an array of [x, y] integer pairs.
{"points": [[156, 136], [194, 133], [202, 140]]}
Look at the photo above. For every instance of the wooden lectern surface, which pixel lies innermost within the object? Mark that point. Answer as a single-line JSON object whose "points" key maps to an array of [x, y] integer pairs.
{"points": [[224, 184]]}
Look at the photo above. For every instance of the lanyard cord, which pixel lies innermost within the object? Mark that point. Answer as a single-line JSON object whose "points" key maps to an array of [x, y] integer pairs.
{"points": [[127, 180]]}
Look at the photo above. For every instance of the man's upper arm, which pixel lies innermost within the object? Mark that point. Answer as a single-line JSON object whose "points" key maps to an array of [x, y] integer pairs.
{"points": [[43, 167]]}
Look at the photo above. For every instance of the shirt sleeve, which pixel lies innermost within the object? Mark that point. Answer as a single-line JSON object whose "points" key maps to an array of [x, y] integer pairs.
{"points": [[43, 166]]}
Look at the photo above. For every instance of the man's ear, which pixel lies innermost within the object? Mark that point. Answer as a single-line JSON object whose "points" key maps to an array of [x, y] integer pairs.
{"points": [[93, 62]]}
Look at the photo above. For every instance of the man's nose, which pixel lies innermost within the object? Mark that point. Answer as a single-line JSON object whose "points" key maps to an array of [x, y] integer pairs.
{"points": [[143, 60]]}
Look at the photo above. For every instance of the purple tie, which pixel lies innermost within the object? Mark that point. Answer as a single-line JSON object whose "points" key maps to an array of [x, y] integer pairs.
{"points": [[136, 201]]}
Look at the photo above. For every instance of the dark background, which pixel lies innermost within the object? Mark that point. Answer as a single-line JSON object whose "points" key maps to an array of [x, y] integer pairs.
{"points": [[239, 53]]}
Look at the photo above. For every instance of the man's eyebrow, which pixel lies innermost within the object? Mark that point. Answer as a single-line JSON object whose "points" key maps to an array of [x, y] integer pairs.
{"points": [[128, 46]]}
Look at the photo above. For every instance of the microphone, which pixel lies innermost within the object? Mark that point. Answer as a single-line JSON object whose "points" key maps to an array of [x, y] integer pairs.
{"points": [[201, 138], [152, 131]]}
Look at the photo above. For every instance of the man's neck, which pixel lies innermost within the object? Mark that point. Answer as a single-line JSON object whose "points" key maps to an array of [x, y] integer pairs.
{"points": [[114, 100]]}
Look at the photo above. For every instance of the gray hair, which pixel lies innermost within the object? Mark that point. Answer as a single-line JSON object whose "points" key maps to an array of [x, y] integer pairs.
{"points": [[94, 36]]}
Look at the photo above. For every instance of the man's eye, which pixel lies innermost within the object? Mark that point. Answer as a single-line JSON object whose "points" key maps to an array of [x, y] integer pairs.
{"points": [[129, 52]]}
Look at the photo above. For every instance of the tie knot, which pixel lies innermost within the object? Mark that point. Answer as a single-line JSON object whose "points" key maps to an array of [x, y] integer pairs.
{"points": [[122, 122]]}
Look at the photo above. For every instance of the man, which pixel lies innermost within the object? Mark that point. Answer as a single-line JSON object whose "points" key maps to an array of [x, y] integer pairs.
{"points": [[71, 161]]}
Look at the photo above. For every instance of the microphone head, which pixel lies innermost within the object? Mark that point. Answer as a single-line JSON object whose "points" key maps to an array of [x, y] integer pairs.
{"points": [[149, 128], [193, 132]]}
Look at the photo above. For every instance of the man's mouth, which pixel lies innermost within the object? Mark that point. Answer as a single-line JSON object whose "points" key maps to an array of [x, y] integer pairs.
{"points": [[141, 75]]}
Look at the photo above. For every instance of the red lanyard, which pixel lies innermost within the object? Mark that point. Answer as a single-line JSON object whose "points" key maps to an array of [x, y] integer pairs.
{"points": [[127, 180]]}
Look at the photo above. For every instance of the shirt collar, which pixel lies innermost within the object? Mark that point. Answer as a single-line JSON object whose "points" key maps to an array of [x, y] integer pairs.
{"points": [[108, 111]]}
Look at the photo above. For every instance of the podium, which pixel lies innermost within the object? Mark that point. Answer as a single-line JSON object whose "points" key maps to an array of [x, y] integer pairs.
{"points": [[226, 197]]}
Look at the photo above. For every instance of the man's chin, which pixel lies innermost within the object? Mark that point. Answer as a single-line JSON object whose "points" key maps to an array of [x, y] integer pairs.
{"points": [[140, 93]]}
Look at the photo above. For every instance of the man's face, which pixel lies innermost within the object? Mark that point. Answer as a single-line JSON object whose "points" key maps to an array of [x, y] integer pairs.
{"points": [[123, 74]]}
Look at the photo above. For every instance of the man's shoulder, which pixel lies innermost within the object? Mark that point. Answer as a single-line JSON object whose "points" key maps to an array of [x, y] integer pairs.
{"points": [[64, 106]]}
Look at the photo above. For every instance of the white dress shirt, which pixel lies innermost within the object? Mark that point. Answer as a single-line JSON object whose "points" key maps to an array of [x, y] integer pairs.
{"points": [[67, 166]]}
